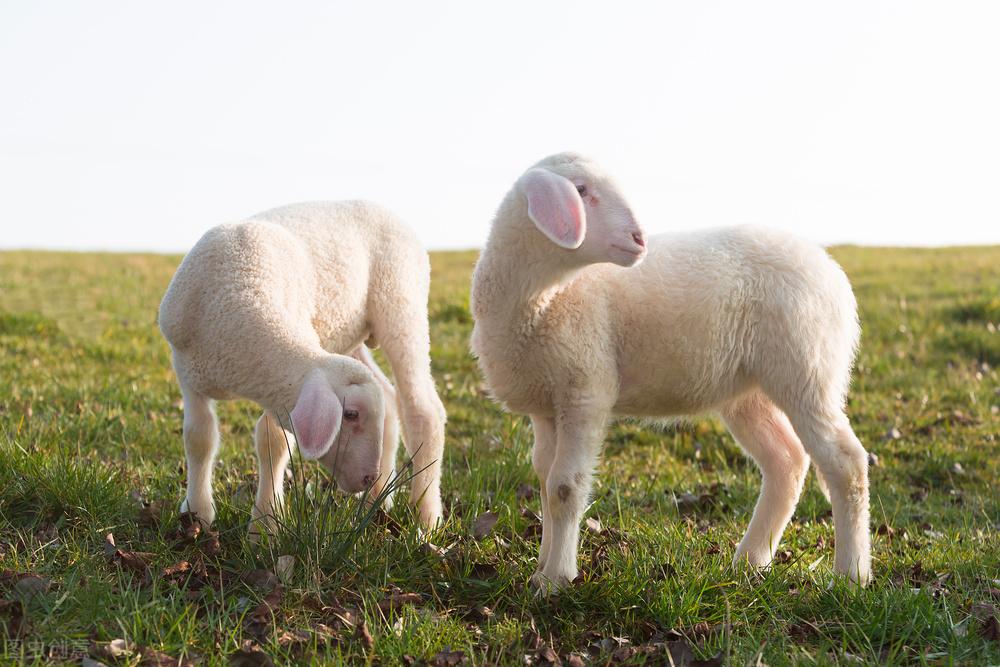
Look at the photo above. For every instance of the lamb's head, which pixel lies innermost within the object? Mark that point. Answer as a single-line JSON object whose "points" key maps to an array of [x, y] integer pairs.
{"points": [[338, 420], [578, 207]]}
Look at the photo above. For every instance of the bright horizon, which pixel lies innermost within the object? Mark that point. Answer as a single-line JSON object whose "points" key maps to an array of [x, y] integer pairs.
{"points": [[135, 127]]}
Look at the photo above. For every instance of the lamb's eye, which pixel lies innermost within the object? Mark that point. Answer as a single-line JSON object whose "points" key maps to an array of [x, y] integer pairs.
{"points": [[582, 189], [350, 415]]}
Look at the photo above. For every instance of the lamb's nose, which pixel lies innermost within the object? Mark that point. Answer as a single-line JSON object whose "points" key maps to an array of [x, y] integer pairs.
{"points": [[368, 480], [639, 241]]}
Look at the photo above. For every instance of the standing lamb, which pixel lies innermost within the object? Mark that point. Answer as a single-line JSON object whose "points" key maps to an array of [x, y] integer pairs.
{"points": [[276, 309], [755, 325]]}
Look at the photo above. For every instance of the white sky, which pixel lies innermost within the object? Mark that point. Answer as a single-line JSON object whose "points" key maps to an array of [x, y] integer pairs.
{"points": [[129, 125]]}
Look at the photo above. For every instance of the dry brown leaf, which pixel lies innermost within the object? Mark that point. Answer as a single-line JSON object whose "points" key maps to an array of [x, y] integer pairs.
{"points": [[250, 655], [447, 658], [397, 599], [482, 526], [263, 581], [284, 567], [112, 650], [365, 636], [989, 629], [151, 513], [525, 492], [547, 656], [12, 617]]}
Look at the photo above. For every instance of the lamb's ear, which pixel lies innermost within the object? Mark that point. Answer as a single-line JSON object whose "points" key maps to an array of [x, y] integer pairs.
{"points": [[316, 417], [555, 207]]}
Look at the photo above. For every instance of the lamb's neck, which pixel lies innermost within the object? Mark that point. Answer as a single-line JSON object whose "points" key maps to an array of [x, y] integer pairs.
{"points": [[517, 283], [283, 374]]}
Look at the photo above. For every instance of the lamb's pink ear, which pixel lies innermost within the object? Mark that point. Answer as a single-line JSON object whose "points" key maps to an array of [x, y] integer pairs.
{"points": [[555, 207], [316, 417]]}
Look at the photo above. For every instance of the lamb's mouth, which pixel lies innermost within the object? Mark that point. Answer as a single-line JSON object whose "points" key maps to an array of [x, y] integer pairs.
{"points": [[638, 252]]}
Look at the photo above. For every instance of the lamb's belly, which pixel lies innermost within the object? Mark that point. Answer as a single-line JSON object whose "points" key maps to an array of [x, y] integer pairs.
{"points": [[676, 396], [517, 389]]}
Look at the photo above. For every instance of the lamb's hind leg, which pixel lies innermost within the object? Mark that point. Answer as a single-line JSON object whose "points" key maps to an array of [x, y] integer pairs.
{"points": [[767, 436], [201, 442], [843, 463], [273, 445]]}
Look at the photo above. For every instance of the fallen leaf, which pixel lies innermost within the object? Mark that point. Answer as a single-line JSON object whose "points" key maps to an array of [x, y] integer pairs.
{"points": [[547, 656], [150, 657], [574, 660], [12, 617], [483, 571], [689, 503], [532, 531], [190, 527], [190, 532], [593, 525], [263, 581], [989, 629], [365, 636], [112, 650], [480, 614], [433, 550], [447, 658], [151, 513], [383, 519], [623, 653], [109, 545], [482, 526], [283, 568], [293, 640], [398, 599], [250, 655], [982, 610], [137, 561], [525, 492], [324, 633], [259, 621], [29, 585], [341, 617]]}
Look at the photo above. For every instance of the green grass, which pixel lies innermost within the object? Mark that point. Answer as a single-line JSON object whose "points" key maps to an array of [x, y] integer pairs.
{"points": [[90, 425]]}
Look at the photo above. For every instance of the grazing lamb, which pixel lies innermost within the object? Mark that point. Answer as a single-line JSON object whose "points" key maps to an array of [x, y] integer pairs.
{"points": [[755, 325], [276, 309]]}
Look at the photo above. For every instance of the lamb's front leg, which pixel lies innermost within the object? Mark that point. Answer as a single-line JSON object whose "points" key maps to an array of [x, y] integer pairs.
{"points": [[273, 451], [579, 436], [542, 455], [201, 442]]}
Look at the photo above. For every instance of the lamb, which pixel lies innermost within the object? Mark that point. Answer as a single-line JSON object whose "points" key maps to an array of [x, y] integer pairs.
{"points": [[277, 309], [573, 328]]}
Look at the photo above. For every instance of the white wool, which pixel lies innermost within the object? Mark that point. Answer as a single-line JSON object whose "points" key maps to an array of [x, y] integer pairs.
{"points": [[259, 307], [750, 323]]}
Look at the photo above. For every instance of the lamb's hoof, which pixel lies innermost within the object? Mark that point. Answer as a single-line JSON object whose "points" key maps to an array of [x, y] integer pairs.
{"points": [[857, 576], [430, 518], [205, 517], [750, 561], [544, 586]]}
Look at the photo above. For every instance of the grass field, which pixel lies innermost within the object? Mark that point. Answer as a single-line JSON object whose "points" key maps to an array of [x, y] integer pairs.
{"points": [[90, 444]]}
